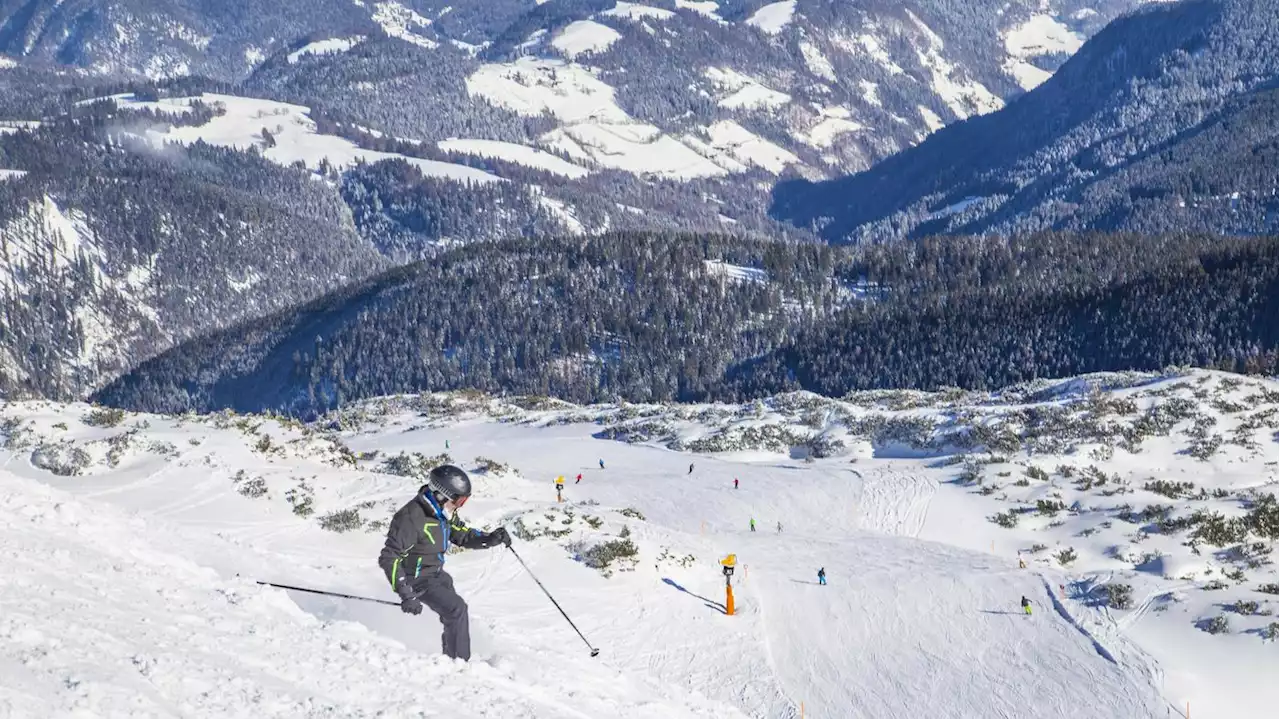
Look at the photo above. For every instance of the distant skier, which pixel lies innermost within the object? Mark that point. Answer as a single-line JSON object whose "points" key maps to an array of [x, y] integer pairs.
{"points": [[822, 576], [691, 468], [579, 479], [1026, 605], [446, 444], [602, 464], [735, 482], [753, 524], [413, 557], [779, 527]]}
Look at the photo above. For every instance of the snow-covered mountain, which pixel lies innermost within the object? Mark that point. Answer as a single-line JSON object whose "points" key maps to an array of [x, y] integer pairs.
{"points": [[1165, 120], [1142, 506]]}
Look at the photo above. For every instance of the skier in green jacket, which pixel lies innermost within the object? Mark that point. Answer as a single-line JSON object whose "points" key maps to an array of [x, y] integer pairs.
{"points": [[413, 557]]}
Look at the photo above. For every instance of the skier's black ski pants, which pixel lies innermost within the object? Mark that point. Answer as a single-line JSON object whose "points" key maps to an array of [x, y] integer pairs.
{"points": [[437, 592]]}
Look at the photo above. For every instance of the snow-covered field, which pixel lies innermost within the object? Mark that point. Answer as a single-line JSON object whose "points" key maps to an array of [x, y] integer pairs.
{"points": [[285, 133], [1039, 35], [130, 544]]}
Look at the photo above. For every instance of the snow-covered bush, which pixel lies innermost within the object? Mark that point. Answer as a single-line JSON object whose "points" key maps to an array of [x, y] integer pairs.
{"points": [[1066, 556], [1246, 608], [1172, 490], [62, 459], [1008, 519], [1049, 507], [604, 556], [631, 512], [1271, 588], [1216, 625], [490, 466], [342, 520], [1271, 631], [103, 417], [1119, 596]]}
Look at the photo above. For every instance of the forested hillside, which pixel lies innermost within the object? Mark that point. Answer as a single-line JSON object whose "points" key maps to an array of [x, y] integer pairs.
{"points": [[661, 317]]}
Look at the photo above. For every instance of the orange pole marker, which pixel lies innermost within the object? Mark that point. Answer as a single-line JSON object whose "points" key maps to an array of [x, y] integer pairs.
{"points": [[801, 710], [728, 599]]}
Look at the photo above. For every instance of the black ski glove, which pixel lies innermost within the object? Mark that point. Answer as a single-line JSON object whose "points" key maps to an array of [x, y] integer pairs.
{"points": [[499, 536], [411, 605]]}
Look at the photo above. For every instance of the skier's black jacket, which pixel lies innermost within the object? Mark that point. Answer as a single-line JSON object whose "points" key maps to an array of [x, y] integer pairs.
{"points": [[418, 537]]}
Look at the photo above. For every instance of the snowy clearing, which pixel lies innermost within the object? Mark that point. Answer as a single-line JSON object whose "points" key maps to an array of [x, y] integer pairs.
{"points": [[772, 18], [1039, 35], [707, 8], [584, 36], [325, 47], [293, 135], [527, 156], [747, 148], [11, 174], [965, 97], [6, 63], [901, 496], [397, 21], [740, 92], [736, 272], [633, 11]]}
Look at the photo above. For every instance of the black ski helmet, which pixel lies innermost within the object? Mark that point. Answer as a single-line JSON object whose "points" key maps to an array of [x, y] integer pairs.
{"points": [[449, 483]]}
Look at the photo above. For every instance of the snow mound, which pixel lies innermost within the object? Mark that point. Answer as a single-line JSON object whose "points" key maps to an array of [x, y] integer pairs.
{"points": [[772, 18], [585, 36], [325, 47], [633, 11]]}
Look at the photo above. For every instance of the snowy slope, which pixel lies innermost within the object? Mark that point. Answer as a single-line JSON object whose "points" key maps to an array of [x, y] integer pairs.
{"points": [[293, 133], [920, 618]]}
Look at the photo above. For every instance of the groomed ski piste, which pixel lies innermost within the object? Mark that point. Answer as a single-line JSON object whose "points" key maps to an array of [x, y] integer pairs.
{"points": [[131, 545]]}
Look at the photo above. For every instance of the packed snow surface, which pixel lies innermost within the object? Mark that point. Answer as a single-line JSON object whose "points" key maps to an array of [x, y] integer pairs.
{"points": [[131, 542], [293, 135], [772, 18], [584, 36], [325, 47]]}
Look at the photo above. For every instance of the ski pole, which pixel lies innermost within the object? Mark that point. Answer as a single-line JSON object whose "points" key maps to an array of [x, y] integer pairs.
{"points": [[329, 594], [594, 651]]}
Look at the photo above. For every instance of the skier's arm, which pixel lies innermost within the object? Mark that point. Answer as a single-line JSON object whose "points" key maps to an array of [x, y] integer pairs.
{"points": [[468, 538], [401, 536]]}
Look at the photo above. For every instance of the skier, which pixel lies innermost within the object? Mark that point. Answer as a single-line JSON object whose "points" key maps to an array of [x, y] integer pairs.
{"points": [[822, 576], [579, 479], [753, 524], [1026, 605], [602, 464], [1022, 564], [691, 468], [779, 527], [735, 482], [413, 557]]}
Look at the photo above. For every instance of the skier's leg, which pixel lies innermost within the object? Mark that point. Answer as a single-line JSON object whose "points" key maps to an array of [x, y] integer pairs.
{"points": [[452, 610]]}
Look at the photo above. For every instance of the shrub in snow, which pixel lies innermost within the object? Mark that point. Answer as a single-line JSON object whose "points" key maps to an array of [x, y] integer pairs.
{"points": [[1119, 596], [631, 512], [1037, 473], [1172, 490], [1204, 449], [1247, 608], [490, 466], [104, 417], [1215, 585], [1066, 556], [1263, 518], [61, 459], [301, 499], [1008, 519], [1216, 625], [602, 556], [1271, 631], [1049, 507], [343, 520], [1272, 588], [1218, 531]]}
